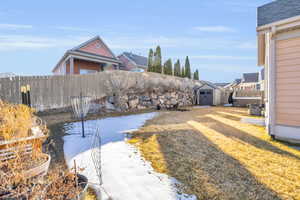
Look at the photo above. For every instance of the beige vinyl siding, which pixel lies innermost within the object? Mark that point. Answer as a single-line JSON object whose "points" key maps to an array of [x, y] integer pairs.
{"points": [[288, 82]]}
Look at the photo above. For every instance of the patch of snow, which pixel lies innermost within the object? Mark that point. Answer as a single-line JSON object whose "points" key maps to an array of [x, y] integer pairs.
{"points": [[126, 175], [201, 106], [255, 121]]}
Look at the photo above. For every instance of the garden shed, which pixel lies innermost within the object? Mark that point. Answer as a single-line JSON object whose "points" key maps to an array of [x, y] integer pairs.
{"points": [[208, 94]]}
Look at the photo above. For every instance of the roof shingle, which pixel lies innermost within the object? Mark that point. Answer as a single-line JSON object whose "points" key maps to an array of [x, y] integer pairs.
{"points": [[139, 60], [277, 10], [250, 77]]}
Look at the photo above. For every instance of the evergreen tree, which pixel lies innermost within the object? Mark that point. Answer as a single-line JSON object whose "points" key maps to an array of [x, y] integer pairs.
{"points": [[196, 75], [157, 60], [182, 72], [187, 71], [150, 61], [177, 70], [165, 68], [168, 67]]}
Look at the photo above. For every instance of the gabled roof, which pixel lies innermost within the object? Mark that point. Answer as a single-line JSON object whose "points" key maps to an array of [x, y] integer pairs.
{"points": [[235, 83], [221, 84], [250, 77], [138, 60], [204, 83], [82, 45], [78, 51], [277, 10]]}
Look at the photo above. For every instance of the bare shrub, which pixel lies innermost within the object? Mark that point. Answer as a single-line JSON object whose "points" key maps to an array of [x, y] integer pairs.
{"points": [[20, 154], [117, 86], [15, 121]]}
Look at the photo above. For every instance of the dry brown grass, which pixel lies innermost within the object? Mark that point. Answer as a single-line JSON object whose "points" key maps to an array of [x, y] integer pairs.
{"points": [[91, 194], [15, 121], [20, 152], [218, 157]]}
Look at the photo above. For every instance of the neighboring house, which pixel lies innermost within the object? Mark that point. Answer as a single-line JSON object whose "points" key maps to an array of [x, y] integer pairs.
{"points": [[89, 57], [234, 85], [250, 81], [7, 75], [133, 62], [279, 52]]}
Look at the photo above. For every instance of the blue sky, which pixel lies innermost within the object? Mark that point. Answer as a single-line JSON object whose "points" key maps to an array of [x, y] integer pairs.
{"points": [[218, 35]]}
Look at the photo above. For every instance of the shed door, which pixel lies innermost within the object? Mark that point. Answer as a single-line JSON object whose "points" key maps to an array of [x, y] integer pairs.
{"points": [[288, 82], [206, 97]]}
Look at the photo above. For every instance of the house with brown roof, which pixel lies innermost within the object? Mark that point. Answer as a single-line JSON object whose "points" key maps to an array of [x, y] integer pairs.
{"points": [[89, 57], [278, 33], [133, 62]]}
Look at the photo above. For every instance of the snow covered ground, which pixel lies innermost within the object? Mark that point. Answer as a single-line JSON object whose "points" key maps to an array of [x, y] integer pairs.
{"points": [[255, 121], [126, 175]]}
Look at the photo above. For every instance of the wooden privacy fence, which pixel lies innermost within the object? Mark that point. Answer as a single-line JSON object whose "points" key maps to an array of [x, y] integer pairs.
{"points": [[51, 92], [54, 92]]}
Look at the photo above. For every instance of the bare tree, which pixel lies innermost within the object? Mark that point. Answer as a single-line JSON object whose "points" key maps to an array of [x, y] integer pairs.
{"points": [[118, 85]]}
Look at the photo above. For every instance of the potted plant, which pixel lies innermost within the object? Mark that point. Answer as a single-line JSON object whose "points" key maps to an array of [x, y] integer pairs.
{"points": [[66, 185], [21, 157]]}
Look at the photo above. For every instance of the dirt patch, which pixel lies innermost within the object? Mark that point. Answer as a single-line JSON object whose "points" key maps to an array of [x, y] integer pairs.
{"points": [[218, 157]]}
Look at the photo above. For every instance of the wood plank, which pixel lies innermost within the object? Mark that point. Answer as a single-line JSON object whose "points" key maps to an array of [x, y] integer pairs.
{"points": [[287, 68], [288, 87], [287, 122], [288, 81], [289, 43], [284, 51], [288, 98], [280, 101], [288, 116], [288, 92], [288, 106], [281, 57], [288, 110], [288, 75], [295, 61]]}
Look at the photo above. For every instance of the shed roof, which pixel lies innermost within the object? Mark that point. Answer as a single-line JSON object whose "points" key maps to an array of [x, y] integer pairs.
{"points": [[250, 77], [213, 86], [277, 10], [221, 84]]}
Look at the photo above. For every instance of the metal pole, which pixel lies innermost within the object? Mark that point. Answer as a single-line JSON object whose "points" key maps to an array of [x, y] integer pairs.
{"points": [[23, 95], [82, 120], [28, 96]]}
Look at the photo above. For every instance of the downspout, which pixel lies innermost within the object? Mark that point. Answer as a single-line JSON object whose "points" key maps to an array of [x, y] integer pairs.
{"points": [[272, 82]]}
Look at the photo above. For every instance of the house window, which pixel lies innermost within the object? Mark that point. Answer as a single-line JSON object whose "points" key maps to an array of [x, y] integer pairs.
{"points": [[87, 71]]}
